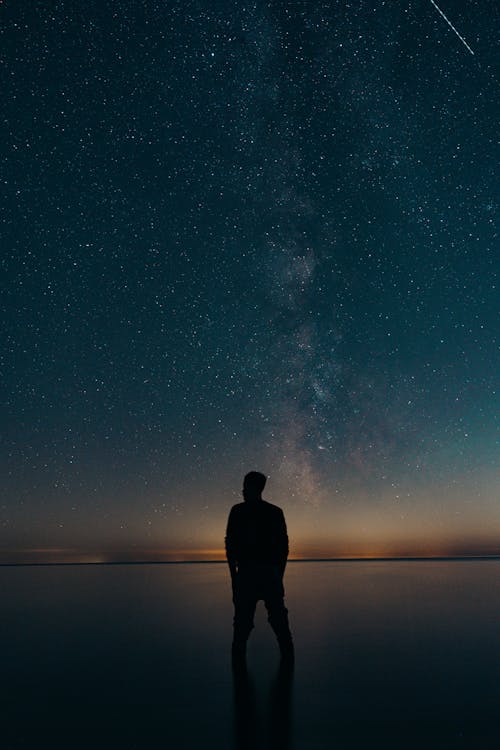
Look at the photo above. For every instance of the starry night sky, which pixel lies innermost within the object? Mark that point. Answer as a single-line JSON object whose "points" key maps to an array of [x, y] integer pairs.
{"points": [[246, 236]]}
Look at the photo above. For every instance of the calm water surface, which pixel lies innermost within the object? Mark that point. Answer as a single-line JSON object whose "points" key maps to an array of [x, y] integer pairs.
{"points": [[389, 654]]}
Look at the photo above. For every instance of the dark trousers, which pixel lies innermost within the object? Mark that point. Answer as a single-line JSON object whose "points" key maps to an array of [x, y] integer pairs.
{"points": [[251, 584]]}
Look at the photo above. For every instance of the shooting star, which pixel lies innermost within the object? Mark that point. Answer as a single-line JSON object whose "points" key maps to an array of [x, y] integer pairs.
{"points": [[451, 26]]}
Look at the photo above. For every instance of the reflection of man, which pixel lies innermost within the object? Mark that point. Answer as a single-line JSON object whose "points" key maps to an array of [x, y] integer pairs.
{"points": [[257, 551]]}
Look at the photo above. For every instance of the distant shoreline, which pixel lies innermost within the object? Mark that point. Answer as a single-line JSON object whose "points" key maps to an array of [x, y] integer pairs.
{"points": [[223, 562]]}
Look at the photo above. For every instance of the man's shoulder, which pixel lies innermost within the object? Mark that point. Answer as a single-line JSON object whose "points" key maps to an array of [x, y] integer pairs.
{"points": [[271, 508], [241, 508]]}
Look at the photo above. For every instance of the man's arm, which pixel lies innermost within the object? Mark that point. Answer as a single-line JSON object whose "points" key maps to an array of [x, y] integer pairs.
{"points": [[230, 542], [283, 542]]}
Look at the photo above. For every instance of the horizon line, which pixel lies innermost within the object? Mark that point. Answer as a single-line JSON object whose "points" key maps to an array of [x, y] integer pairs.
{"points": [[406, 558]]}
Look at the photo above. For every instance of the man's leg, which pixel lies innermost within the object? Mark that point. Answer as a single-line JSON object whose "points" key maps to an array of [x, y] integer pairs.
{"points": [[278, 620], [243, 623]]}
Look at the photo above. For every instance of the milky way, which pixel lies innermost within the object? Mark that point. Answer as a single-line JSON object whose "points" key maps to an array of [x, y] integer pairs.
{"points": [[255, 236]]}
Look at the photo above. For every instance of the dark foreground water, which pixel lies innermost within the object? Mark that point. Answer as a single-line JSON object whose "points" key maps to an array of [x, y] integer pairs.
{"points": [[389, 655]]}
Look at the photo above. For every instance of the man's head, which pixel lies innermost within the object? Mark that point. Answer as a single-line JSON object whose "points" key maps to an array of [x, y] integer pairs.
{"points": [[253, 484]]}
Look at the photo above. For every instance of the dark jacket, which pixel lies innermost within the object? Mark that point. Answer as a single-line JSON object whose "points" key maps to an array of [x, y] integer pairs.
{"points": [[256, 533]]}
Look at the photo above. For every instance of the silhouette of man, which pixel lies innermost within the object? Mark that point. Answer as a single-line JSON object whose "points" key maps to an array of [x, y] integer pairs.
{"points": [[257, 551]]}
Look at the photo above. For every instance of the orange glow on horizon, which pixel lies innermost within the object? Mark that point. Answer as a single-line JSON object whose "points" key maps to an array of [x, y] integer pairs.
{"points": [[69, 555]]}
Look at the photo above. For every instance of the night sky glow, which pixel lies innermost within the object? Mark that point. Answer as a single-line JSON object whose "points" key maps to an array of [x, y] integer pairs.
{"points": [[246, 236]]}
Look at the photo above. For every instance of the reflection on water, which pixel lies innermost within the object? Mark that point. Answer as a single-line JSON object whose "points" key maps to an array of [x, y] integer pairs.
{"points": [[389, 654], [273, 730]]}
